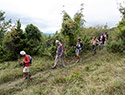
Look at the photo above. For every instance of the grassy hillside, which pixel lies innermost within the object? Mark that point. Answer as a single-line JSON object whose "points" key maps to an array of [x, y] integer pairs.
{"points": [[102, 74]]}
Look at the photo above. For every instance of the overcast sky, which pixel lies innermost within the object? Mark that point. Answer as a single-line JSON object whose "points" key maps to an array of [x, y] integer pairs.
{"points": [[46, 14]]}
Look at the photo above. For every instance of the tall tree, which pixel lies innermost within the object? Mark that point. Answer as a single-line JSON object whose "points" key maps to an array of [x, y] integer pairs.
{"points": [[32, 32], [14, 41], [72, 27], [4, 25], [121, 26], [33, 39]]}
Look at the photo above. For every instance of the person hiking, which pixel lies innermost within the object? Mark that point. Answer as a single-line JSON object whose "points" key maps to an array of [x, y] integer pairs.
{"points": [[101, 41], [94, 44], [59, 55], [26, 63], [79, 47], [106, 37]]}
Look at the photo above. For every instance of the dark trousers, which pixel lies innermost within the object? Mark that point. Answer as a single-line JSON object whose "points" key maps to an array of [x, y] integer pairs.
{"points": [[94, 49]]}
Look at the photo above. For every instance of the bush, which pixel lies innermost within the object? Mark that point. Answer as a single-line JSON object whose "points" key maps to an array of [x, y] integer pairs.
{"points": [[115, 46], [86, 42]]}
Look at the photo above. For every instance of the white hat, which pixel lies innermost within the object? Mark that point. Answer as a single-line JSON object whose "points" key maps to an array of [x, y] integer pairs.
{"points": [[57, 41], [22, 53]]}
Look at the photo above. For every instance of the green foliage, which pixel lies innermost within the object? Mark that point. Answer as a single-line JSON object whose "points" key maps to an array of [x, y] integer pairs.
{"points": [[13, 42], [72, 27], [115, 46], [33, 39], [95, 31], [121, 30], [71, 30], [35, 43], [118, 43], [32, 32], [86, 42], [2, 53], [4, 25], [89, 78]]}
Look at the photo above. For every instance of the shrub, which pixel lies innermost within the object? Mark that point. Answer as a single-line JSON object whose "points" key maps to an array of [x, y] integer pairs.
{"points": [[115, 46]]}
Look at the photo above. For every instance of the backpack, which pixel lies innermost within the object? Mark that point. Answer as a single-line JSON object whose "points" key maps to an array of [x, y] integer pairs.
{"points": [[63, 47], [30, 59]]}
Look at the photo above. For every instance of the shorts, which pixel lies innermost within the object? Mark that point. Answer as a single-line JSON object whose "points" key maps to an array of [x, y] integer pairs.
{"points": [[26, 69], [77, 52]]}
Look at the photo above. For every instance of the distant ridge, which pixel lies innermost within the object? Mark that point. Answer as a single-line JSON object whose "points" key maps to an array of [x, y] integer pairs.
{"points": [[51, 34]]}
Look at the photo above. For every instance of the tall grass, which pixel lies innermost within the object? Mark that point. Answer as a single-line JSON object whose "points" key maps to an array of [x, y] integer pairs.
{"points": [[102, 74]]}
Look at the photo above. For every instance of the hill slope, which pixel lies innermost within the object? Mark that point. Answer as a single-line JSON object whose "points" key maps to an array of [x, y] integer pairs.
{"points": [[102, 74]]}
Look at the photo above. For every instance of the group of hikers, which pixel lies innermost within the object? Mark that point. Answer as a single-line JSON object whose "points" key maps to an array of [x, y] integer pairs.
{"points": [[101, 41]]}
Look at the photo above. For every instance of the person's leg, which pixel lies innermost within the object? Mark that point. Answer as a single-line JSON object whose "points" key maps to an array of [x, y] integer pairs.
{"points": [[78, 56], [94, 50], [62, 61], [102, 46], [29, 75], [105, 43], [26, 75], [26, 72], [99, 46], [56, 60]]}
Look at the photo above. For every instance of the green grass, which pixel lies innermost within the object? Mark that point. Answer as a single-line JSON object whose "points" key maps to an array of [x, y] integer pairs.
{"points": [[102, 74]]}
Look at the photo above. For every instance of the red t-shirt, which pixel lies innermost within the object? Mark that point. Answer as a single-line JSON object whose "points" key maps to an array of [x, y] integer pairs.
{"points": [[26, 60]]}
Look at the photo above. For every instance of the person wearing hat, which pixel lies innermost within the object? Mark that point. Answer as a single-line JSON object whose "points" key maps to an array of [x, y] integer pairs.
{"points": [[79, 47], [94, 44], [106, 37], [59, 55], [101, 41], [26, 63]]}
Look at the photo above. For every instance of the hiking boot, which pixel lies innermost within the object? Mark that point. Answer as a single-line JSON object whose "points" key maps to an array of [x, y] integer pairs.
{"points": [[63, 66], [29, 76], [54, 67], [78, 61], [26, 78]]}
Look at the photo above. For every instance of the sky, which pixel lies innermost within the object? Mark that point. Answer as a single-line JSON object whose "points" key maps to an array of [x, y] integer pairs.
{"points": [[47, 14]]}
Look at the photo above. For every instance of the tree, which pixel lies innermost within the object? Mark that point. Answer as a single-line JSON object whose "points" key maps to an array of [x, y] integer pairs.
{"points": [[118, 43], [14, 41], [4, 25], [33, 39], [32, 32], [71, 27], [121, 27]]}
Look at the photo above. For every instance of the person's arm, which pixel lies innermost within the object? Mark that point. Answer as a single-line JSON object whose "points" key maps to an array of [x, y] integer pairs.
{"points": [[81, 46], [61, 50], [26, 59], [58, 53], [97, 40]]}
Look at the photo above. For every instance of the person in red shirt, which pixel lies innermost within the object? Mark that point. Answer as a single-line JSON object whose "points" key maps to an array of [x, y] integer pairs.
{"points": [[26, 63]]}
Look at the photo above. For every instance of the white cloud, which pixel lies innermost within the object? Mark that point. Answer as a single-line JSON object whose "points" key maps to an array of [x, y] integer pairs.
{"points": [[48, 12]]}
